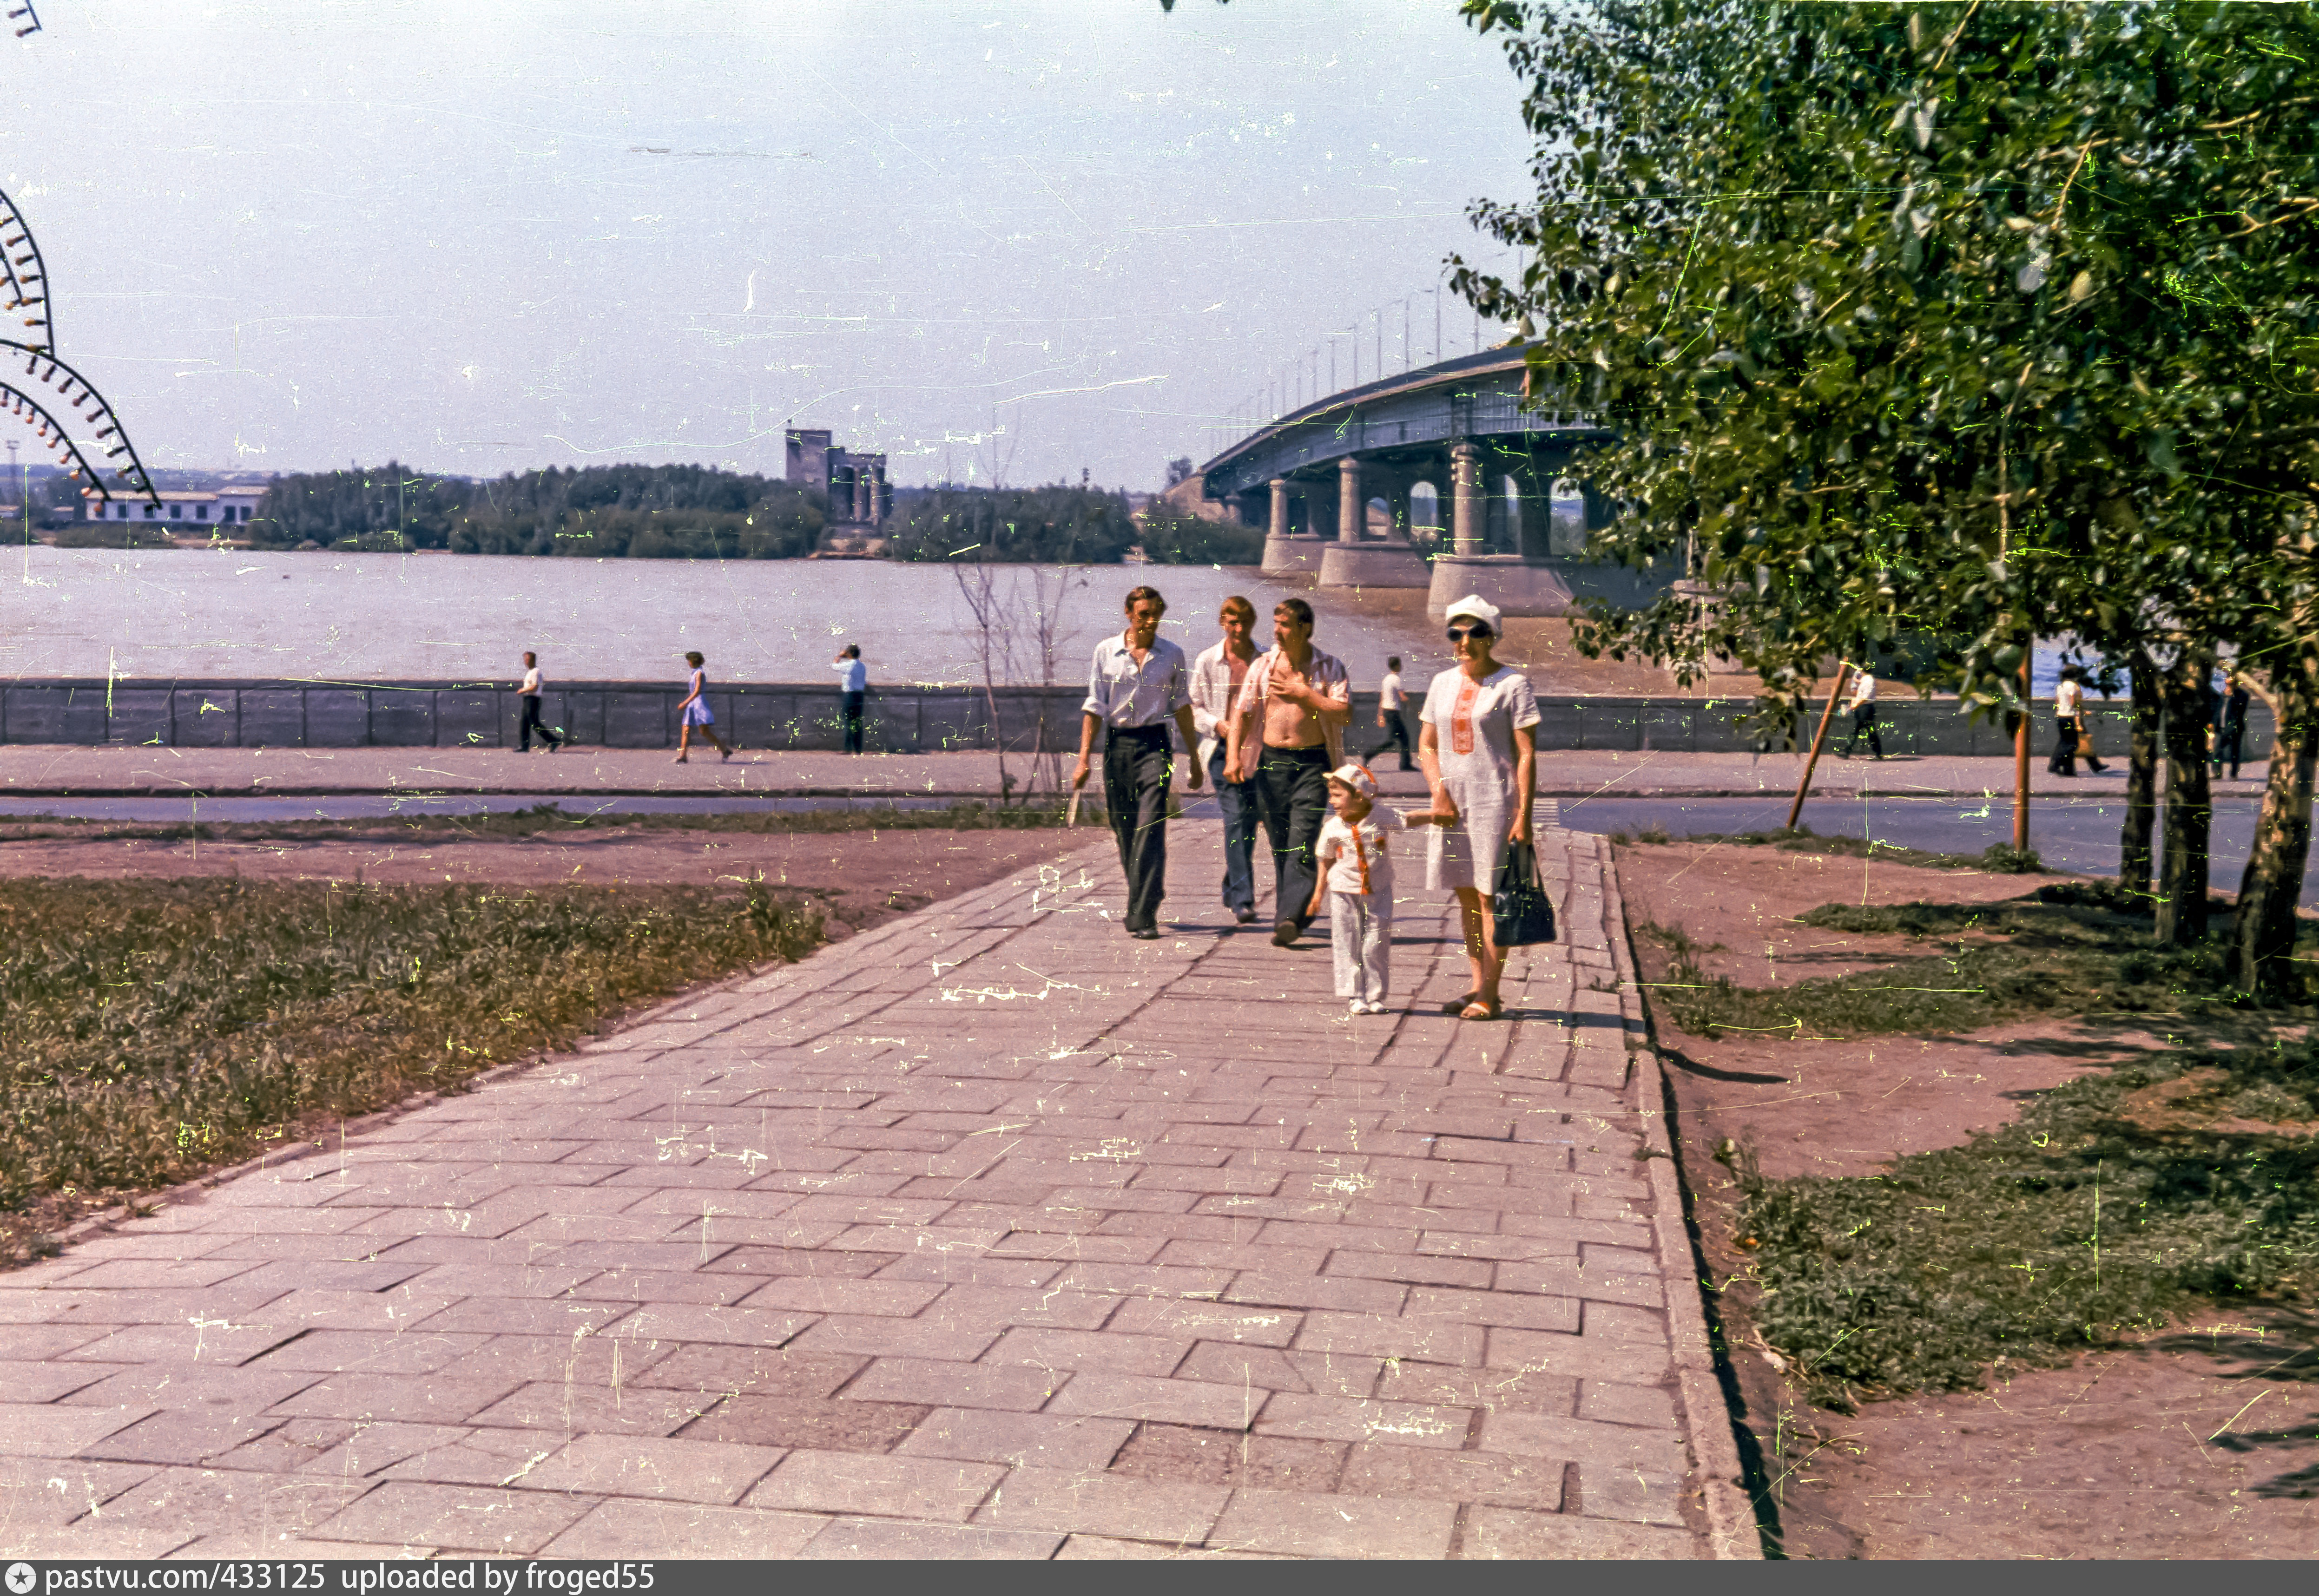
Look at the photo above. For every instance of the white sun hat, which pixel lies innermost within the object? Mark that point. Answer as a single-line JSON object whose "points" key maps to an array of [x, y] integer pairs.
{"points": [[1474, 606], [1356, 776]]}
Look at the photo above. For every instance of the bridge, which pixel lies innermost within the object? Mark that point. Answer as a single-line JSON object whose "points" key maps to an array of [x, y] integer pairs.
{"points": [[1351, 490]]}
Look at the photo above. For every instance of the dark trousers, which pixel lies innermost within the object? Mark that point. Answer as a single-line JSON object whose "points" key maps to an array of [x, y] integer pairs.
{"points": [[1864, 725], [1292, 791], [1136, 766], [531, 723], [850, 714], [2229, 745], [2064, 762], [1238, 801], [1396, 735]]}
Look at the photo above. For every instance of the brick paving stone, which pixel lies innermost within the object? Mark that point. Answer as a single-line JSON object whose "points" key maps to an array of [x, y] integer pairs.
{"points": [[1168, 1402], [1500, 1532], [628, 1529], [714, 1472], [941, 1489], [1310, 1525], [1382, 1468], [422, 1399], [1270, 1368], [1112, 1351], [1356, 1419], [1079, 1500], [816, 1423], [848, 1538], [455, 1518], [1020, 1440], [1020, 1385], [48, 1430], [1090, 1548]]}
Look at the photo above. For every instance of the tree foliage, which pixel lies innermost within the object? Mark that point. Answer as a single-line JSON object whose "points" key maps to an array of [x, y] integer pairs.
{"points": [[1057, 525], [598, 511]]}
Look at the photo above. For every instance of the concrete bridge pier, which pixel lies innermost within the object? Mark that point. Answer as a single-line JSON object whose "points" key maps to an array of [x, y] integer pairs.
{"points": [[1516, 583], [1357, 560], [1288, 552]]}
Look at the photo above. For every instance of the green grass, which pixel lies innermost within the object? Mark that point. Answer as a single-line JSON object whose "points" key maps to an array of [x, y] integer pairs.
{"points": [[1998, 858], [2070, 1229], [552, 819], [157, 1027], [2070, 949]]}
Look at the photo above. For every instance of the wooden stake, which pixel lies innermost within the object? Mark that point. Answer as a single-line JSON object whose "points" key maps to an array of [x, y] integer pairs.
{"points": [[1819, 738], [2021, 763]]}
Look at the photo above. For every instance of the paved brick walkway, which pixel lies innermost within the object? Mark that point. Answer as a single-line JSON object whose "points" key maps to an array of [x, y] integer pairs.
{"points": [[991, 1232]]}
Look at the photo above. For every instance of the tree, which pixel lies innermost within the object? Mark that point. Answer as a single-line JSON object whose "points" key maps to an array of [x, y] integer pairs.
{"points": [[1988, 322]]}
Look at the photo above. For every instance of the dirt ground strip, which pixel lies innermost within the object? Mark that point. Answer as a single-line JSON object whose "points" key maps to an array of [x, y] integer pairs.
{"points": [[2200, 1443]]}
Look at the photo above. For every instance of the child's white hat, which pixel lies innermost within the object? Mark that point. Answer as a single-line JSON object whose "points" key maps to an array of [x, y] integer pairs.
{"points": [[1356, 776]]}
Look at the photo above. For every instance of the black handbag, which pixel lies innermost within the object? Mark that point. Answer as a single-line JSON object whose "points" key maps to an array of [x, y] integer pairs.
{"points": [[1518, 904]]}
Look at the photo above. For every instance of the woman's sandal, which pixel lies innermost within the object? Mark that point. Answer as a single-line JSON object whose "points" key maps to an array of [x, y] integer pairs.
{"points": [[1478, 1010], [1458, 1005]]}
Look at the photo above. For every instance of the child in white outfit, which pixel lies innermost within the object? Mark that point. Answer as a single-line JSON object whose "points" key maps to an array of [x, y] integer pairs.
{"points": [[1356, 866]]}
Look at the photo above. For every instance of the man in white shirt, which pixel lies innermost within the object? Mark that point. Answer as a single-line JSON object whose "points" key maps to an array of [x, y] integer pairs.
{"points": [[2069, 724], [853, 681], [1862, 705], [1216, 677], [1136, 684], [527, 695], [1287, 733], [1389, 714]]}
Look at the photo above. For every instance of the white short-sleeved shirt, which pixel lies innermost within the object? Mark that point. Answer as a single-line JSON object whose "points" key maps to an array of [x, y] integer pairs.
{"points": [[1359, 859], [2067, 697], [1473, 725], [853, 676], [531, 682], [1124, 695], [1864, 690], [1389, 691]]}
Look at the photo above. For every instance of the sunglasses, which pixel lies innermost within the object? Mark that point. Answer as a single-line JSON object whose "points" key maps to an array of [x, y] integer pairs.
{"points": [[1460, 634]]}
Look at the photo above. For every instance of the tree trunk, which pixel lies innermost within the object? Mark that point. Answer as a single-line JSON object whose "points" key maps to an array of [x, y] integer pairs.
{"points": [[2262, 959], [2189, 806], [2133, 855]]}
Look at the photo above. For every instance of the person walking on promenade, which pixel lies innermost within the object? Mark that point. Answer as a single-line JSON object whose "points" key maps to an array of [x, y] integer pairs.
{"points": [[1136, 684], [694, 712], [1478, 743], [853, 681], [527, 695], [1862, 705], [2068, 724], [1390, 715], [1355, 863], [1286, 733], [2230, 722], [1216, 677]]}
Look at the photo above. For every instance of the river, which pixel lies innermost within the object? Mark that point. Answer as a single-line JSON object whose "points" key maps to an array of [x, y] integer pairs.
{"points": [[181, 614]]}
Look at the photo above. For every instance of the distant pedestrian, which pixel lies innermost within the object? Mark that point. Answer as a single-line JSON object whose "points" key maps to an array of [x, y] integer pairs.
{"points": [[1286, 733], [1862, 705], [853, 681], [527, 696], [694, 712], [1216, 678], [1356, 860], [1478, 743], [1391, 716], [2069, 724], [2230, 722], [1136, 684]]}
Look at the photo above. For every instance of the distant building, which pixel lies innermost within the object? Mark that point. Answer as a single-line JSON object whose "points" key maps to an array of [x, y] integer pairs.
{"points": [[220, 507], [856, 483]]}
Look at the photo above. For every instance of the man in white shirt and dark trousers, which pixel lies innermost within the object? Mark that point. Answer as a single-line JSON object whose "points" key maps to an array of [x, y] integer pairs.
{"points": [[1137, 682], [853, 681], [1389, 714], [527, 695]]}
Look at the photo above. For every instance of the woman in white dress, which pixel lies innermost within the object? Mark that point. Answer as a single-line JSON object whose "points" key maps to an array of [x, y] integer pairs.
{"points": [[1479, 750]]}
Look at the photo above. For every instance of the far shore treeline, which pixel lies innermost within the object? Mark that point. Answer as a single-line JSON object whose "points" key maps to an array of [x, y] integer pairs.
{"points": [[698, 512]]}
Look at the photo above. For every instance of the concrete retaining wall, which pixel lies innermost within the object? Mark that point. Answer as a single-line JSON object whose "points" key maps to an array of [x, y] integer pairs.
{"points": [[897, 719]]}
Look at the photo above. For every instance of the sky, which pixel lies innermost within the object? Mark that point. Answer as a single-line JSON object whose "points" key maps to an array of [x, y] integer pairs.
{"points": [[1029, 239]]}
